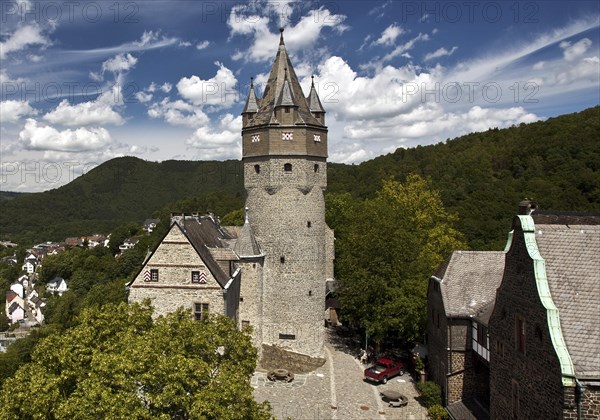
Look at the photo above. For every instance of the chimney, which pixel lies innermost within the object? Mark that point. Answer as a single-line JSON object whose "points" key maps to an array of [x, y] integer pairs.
{"points": [[527, 207]]}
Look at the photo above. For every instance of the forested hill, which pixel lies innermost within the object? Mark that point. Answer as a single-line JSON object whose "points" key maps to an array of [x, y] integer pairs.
{"points": [[120, 190], [481, 177]]}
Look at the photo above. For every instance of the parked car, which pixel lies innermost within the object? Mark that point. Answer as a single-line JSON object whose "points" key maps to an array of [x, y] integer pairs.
{"points": [[384, 369]]}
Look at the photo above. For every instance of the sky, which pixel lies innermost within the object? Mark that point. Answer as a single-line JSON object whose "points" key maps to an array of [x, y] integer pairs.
{"points": [[83, 82]]}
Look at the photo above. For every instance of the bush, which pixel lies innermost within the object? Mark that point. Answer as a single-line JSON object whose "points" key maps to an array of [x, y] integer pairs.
{"points": [[431, 393], [437, 412]]}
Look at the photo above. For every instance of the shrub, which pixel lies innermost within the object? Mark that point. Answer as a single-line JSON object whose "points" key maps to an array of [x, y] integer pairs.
{"points": [[437, 412], [431, 393]]}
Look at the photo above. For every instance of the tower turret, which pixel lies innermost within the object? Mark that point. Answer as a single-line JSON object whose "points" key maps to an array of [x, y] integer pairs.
{"points": [[251, 106], [314, 103], [285, 174]]}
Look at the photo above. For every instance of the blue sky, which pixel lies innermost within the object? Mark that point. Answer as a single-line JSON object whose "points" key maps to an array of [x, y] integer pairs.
{"points": [[83, 82]]}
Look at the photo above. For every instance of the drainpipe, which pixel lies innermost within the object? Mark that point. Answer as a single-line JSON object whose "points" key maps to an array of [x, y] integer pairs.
{"points": [[579, 390]]}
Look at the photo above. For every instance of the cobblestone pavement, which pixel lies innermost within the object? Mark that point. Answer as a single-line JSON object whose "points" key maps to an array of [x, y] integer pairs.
{"points": [[336, 391]]}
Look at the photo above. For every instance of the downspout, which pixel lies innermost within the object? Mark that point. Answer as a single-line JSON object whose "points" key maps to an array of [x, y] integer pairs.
{"points": [[579, 390]]}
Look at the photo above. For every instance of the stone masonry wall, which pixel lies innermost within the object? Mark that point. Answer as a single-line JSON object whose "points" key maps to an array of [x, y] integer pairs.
{"points": [[287, 215], [590, 403], [535, 374], [251, 297], [175, 259]]}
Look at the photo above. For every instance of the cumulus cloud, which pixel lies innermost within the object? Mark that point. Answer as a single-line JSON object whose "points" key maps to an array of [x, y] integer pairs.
{"points": [[96, 112], [23, 37], [119, 63], [264, 43], [11, 111], [220, 142], [217, 92], [43, 137], [166, 87], [202, 45], [389, 35], [178, 113], [573, 51], [143, 97], [441, 52], [586, 69]]}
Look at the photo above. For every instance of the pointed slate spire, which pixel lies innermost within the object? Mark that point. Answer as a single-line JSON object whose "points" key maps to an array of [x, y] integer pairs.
{"points": [[251, 102], [286, 97], [246, 245], [283, 89], [314, 103]]}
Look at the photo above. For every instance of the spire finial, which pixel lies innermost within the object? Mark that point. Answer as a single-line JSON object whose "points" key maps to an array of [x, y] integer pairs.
{"points": [[251, 82], [281, 36], [312, 80]]}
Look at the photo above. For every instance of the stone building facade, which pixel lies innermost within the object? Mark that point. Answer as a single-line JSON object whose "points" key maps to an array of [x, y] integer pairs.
{"points": [[193, 267], [271, 273], [459, 295], [544, 328]]}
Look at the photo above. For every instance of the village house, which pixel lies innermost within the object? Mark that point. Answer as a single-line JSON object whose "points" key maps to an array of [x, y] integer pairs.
{"points": [[128, 244], [519, 329], [150, 224], [271, 273], [30, 264], [57, 285], [14, 307]]}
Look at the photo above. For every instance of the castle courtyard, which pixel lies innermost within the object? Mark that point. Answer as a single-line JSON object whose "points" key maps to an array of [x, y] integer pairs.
{"points": [[336, 390]]}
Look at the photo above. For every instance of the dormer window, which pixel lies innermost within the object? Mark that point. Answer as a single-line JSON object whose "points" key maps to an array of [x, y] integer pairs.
{"points": [[287, 135]]}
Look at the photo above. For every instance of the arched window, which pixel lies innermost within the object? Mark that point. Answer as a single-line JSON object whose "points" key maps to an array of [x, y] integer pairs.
{"points": [[257, 169], [287, 167], [316, 168]]}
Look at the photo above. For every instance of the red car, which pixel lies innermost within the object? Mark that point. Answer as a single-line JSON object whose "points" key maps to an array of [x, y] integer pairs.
{"points": [[384, 369]]}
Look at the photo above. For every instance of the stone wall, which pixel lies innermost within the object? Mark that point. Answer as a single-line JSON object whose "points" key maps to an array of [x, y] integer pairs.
{"points": [[590, 403], [534, 374], [274, 357], [251, 297], [437, 338], [175, 259], [287, 215]]}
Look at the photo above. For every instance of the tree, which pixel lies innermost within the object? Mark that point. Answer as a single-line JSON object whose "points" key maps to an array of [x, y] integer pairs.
{"points": [[387, 250], [119, 362]]}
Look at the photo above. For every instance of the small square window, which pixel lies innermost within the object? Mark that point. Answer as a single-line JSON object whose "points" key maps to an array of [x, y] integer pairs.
{"points": [[154, 274], [255, 138], [198, 277], [287, 167], [287, 135], [316, 138]]}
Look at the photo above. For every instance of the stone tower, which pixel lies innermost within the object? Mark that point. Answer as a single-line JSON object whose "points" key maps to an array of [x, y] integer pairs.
{"points": [[285, 173]]}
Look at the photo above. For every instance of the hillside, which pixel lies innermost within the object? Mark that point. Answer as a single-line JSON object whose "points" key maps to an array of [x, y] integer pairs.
{"points": [[481, 176]]}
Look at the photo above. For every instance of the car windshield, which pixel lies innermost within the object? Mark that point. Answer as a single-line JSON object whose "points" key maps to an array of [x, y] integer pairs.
{"points": [[379, 368]]}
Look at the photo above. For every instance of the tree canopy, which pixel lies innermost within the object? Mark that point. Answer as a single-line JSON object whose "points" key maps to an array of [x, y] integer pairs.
{"points": [[118, 362], [386, 249]]}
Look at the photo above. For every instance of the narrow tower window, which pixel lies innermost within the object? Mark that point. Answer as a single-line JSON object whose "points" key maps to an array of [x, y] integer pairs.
{"points": [[287, 167], [308, 224], [282, 259], [257, 169], [316, 168]]}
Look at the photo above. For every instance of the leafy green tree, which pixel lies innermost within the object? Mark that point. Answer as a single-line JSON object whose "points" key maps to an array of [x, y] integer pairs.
{"points": [[119, 363], [234, 218], [387, 250]]}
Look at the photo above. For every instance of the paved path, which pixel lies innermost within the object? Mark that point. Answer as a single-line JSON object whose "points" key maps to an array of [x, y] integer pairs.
{"points": [[336, 391]]}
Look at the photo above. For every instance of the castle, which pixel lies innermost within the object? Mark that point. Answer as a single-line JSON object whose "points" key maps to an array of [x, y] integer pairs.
{"points": [[269, 274]]}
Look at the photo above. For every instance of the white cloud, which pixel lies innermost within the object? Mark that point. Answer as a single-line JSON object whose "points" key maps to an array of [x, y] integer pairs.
{"points": [[23, 37], [223, 141], [389, 35], [539, 65], [299, 37], [143, 97], [573, 51], [166, 87], [95, 112], [178, 113], [407, 46], [586, 69], [119, 63], [202, 45], [38, 137], [35, 58], [218, 91], [441, 52], [11, 111], [185, 44]]}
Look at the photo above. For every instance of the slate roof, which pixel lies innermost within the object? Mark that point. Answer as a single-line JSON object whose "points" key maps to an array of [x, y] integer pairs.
{"points": [[572, 256], [251, 101], [246, 244], [469, 280], [204, 232], [273, 91]]}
